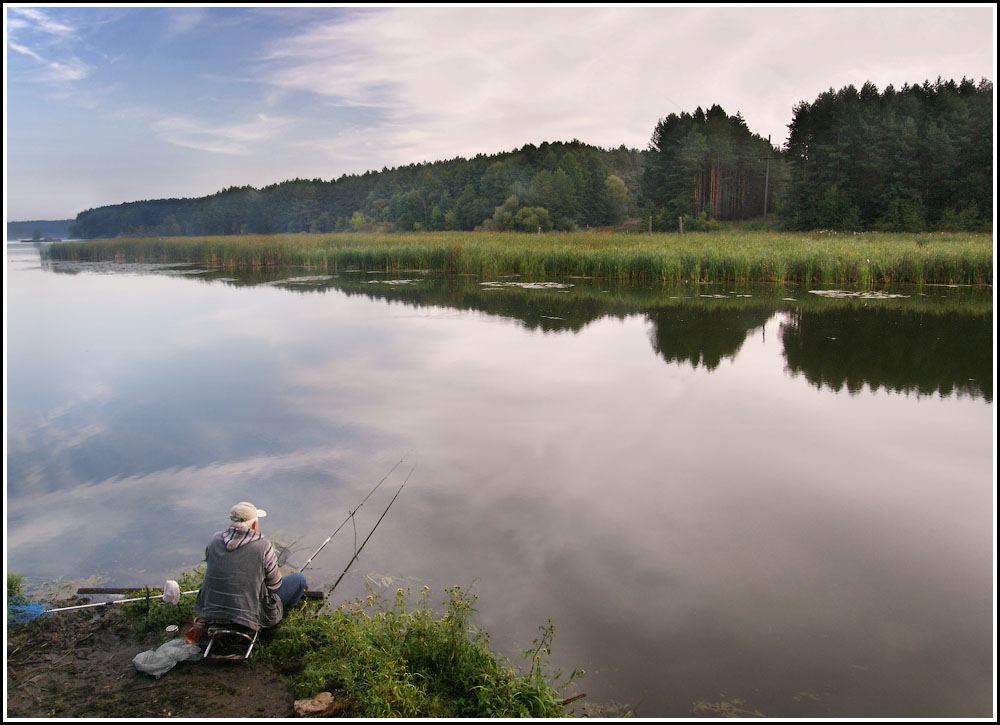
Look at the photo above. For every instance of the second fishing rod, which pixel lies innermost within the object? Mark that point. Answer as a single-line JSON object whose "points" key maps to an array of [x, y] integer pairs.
{"points": [[350, 517]]}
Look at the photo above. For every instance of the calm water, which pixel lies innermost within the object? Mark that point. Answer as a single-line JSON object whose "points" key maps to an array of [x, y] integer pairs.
{"points": [[771, 500]]}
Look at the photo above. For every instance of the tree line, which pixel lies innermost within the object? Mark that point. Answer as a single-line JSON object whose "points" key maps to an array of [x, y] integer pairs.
{"points": [[550, 186], [920, 158], [709, 166]]}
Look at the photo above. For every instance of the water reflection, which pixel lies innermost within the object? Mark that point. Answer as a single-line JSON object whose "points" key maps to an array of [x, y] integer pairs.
{"points": [[923, 342], [936, 342], [705, 335], [648, 467], [901, 350]]}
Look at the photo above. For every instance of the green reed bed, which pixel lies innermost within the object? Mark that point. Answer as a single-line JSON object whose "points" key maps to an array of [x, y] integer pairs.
{"points": [[865, 260]]}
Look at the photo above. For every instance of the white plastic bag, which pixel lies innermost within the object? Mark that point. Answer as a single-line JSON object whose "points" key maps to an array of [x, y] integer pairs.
{"points": [[171, 592], [163, 658]]}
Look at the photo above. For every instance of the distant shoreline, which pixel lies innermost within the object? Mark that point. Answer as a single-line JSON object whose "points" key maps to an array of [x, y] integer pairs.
{"points": [[48, 230]]}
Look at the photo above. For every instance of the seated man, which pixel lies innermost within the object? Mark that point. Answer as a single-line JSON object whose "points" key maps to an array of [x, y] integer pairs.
{"points": [[243, 584]]}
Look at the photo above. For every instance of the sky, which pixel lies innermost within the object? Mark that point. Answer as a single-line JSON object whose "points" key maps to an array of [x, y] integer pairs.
{"points": [[104, 105]]}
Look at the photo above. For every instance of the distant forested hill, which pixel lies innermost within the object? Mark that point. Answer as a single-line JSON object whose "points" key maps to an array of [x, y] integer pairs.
{"points": [[28, 230], [551, 186], [914, 159]]}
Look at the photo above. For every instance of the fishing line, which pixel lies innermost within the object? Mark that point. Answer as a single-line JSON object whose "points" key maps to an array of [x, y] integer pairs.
{"points": [[350, 517], [357, 553]]}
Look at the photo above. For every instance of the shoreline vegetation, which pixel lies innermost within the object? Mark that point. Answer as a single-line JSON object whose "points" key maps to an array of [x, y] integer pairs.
{"points": [[379, 656], [866, 260]]}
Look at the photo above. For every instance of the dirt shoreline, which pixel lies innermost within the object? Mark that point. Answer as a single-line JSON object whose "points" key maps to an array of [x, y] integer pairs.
{"points": [[79, 664]]}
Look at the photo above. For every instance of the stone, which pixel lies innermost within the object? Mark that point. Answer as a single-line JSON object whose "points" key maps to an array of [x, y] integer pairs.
{"points": [[314, 706]]}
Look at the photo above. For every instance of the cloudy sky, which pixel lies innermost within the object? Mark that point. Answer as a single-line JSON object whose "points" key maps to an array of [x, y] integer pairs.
{"points": [[111, 104]]}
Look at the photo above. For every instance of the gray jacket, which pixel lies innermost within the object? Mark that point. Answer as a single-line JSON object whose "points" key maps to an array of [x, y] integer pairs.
{"points": [[236, 587]]}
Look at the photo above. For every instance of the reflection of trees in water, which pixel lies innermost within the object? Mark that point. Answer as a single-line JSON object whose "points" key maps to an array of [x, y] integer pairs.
{"points": [[704, 335], [925, 345], [892, 349], [549, 310]]}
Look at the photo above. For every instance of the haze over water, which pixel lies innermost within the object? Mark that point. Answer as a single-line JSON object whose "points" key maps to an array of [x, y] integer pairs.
{"points": [[726, 500]]}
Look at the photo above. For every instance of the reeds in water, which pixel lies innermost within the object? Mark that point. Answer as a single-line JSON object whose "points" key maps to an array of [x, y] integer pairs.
{"points": [[865, 260]]}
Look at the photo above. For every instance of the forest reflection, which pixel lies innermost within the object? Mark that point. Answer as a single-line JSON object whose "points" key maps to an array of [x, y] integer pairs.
{"points": [[922, 342]]}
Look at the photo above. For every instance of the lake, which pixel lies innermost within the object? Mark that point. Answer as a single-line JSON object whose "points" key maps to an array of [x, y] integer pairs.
{"points": [[727, 500]]}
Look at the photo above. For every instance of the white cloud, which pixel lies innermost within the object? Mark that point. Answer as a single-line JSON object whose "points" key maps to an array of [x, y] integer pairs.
{"points": [[54, 71], [73, 69], [25, 51], [55, 36], [183, 20], [449, 82], [38, 20], [239, 139], [452, 82]]}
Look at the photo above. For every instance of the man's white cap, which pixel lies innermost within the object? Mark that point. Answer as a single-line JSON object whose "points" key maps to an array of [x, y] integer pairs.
{"points": [[245, 513]]}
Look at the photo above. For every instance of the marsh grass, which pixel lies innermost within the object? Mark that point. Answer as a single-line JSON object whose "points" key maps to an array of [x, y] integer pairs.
{"points": [[865, 260], [15, 590], [388, 658]]}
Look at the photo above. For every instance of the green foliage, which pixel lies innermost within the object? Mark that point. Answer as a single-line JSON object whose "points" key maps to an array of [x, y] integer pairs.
{"points": [[567, 179], [968, 219], [393, 661], [701, 223], [531, 219], [839, 213], [708, 162], [159, 614], [503, 215], [742, 256], [20, 608], [357, 221], [901, 161], [15, 589], [616, 200]]}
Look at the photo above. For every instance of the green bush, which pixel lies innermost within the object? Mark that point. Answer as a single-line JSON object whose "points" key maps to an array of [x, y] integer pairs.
{"points": [[392, 661]]}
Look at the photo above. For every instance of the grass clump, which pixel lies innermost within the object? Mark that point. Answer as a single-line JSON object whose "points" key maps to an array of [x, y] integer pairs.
{"points": [[15, 588], [16, 598], [393, 661]]}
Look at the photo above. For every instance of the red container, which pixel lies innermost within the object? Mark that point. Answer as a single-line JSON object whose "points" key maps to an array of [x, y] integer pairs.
{"points": [[195, 631]]}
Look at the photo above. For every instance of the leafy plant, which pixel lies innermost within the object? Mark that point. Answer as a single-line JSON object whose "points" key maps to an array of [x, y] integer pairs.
{"points": [[391, 660]]}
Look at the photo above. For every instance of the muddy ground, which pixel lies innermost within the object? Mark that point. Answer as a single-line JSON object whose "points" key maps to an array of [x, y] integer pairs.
{"points": [[79, 664]]}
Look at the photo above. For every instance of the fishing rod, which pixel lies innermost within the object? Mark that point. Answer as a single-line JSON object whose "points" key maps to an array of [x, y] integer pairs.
{"points": [[358, 552], [36, 610], [114, 601], [351, 515], [24, 613]]}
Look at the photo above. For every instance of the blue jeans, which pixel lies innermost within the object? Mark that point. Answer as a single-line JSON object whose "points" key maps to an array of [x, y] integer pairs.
{"points": [[291, 589]]}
